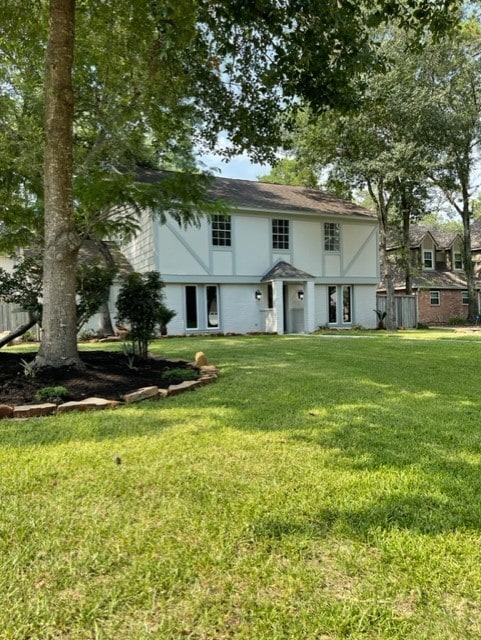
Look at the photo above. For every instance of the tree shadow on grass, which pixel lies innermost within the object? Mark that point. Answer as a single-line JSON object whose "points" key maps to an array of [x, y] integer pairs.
{"points": [[418, 514], [125, 422]]}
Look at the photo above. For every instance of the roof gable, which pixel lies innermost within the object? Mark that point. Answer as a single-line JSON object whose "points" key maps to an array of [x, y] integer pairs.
{"points": [[285, 271]]}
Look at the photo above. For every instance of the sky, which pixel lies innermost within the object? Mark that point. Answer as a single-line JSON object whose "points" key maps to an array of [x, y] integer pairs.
{"points": [[239, 167]]}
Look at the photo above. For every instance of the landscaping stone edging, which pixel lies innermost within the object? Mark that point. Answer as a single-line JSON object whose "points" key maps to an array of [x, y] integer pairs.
{"points": [[209, 373]]}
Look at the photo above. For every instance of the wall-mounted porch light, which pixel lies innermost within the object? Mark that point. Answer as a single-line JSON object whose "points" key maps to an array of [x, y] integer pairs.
{"points": [[258, 294], [300, 294]]}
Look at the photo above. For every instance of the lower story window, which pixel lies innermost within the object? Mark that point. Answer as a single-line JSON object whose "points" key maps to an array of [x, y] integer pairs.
{"points": [[201, 307], [332, 301], [435, 298], [346, 304], [270, 296], [465, 297], [191, 307], [339, 302], [212, 307]]}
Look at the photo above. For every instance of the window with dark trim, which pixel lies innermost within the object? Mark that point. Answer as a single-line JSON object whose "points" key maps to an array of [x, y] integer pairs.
{"points": [[221, 231], [458, 260], [280, 234]]}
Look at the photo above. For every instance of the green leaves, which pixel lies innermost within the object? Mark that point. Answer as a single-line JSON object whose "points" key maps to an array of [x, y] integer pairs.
{"points": [[140, 304]]}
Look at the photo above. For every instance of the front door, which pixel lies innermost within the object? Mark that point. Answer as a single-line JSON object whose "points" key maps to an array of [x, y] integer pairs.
{"points": [[293, 309]]}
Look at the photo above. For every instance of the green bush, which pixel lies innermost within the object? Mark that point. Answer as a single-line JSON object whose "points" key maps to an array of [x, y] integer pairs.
{"points": [[51, 394], [178, 374], [456, 321], [140, 304]]}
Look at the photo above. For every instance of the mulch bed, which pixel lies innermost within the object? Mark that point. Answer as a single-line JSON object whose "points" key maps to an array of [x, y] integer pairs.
{"points": [[106, 375]]}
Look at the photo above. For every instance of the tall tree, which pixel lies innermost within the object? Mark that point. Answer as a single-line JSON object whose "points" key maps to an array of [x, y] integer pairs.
{"points": [[367, 150], [451, 75], [61, 241]]}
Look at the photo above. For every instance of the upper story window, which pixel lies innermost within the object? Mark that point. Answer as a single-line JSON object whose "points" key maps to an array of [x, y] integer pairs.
{"points": [[332, 236], [280, 234], [221, 231], [428, 259], [458, 260]]}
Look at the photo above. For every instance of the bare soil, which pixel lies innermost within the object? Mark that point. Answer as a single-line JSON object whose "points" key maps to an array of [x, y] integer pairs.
{"points": [[107, 375]]}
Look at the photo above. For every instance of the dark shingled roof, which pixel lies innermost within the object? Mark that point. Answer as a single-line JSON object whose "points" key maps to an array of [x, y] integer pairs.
{"points": [[247, 194], [430, 280], [417, 233], [280, 197], [285, 271]]}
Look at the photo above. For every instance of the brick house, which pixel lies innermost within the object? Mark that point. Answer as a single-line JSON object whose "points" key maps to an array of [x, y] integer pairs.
{"points": [[438, 280]]}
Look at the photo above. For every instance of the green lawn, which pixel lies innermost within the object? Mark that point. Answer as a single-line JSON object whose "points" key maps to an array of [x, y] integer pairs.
{"points": [[325, 487]]}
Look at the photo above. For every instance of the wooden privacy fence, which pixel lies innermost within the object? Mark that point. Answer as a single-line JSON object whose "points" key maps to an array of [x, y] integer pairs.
{"points": [[406, 310], [11, 317]]}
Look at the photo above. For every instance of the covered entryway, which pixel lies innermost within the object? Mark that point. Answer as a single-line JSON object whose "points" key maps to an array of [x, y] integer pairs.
{"points": [[290, 299]]}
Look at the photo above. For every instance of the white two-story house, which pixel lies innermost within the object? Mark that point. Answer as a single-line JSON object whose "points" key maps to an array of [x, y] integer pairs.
{"points": [[284, 260]]}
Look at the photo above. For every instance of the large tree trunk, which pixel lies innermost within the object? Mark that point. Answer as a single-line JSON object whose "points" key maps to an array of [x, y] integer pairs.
{"points": [[406, 245], [59, 337], [382, 206], [473, 309]]}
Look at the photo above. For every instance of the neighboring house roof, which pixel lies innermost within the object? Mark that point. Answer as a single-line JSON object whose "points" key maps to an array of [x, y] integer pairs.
{"points": [[445, 239], [417, 233], [429, 280], [439, 280], [284, 271], [247, 194]]}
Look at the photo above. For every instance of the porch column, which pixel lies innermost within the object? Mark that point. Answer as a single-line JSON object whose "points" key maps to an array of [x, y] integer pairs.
{"points": [[278, 301], [309, 307]]}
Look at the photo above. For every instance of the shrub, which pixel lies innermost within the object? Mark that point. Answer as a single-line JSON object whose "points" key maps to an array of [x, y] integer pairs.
{"points": [[178, 374], [51, 394], [140, 304], [28, 336], [456, 321], [86, 334]]}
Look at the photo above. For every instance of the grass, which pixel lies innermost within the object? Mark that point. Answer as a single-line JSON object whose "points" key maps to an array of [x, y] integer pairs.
{"points": [[324, 488]]}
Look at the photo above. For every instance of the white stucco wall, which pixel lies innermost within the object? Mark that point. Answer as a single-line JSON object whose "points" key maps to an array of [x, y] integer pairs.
{"points": [[363, 305], [251, 251], [239, 312], [187, 257]]}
